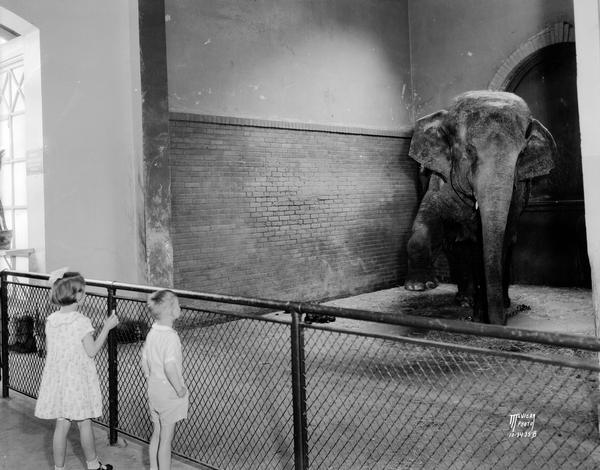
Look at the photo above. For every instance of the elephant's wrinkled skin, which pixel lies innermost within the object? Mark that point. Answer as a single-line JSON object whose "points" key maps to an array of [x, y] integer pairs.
{"points": [[482, 152]]}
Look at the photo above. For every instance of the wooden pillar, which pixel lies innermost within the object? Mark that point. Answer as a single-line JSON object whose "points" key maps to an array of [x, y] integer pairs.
{"points": [[155, 128]]}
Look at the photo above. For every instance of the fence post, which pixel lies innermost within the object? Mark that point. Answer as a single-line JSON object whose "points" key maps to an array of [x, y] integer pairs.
{"points": [[113, 389], [4, 331], [299, 394]]}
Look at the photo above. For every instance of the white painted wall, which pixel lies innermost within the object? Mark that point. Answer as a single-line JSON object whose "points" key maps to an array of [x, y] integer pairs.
{"points": [[587, 42], [90, 149], [335, 62]]}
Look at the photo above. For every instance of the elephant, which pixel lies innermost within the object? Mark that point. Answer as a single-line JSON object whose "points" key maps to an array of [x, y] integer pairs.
{"points": [[482, 154]]}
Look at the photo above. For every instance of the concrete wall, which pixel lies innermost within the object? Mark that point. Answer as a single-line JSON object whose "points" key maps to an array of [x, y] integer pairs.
{"points": [[343, 62], [91, 119], [459, 45]]}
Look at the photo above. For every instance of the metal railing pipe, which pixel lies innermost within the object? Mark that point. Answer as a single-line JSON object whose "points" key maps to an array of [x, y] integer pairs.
{"points": [[113, 374], [393, 318], [456, 326], [299, 393]]}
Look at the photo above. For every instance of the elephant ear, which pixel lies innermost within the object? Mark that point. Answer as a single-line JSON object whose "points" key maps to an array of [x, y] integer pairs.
{"points": [[537, 158], [430, 146]]}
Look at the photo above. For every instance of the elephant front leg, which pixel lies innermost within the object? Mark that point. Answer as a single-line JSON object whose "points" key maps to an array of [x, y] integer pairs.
{"points": [[420, 249], [480, 305]]}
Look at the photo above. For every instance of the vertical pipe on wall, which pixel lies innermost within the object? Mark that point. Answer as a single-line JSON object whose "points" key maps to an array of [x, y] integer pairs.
{"points": [[587, 43], [412, 112]]}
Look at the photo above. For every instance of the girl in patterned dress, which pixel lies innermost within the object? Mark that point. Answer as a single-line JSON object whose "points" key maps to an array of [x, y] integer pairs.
{"points": [[70, 389]]}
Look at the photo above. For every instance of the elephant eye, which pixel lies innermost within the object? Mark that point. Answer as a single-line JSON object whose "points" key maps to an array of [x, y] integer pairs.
{"points": [[471, 152], [445, 134]]}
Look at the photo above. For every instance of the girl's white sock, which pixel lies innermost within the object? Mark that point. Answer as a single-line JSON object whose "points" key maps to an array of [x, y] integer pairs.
{"points": [[59, 468], [93, 464]]}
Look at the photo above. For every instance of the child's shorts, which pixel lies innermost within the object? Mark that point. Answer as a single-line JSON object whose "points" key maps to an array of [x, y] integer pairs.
{"points": [[164, 402]]}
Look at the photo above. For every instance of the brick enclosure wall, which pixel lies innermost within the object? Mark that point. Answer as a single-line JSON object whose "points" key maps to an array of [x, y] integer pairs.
{"points": [[288, 213]]}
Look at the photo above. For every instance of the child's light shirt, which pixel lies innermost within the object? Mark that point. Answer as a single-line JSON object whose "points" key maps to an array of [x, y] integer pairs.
{"points": [[162, 346]]}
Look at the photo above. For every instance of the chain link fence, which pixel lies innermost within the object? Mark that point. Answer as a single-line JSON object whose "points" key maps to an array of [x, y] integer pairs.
{"points": [[271, 392]]}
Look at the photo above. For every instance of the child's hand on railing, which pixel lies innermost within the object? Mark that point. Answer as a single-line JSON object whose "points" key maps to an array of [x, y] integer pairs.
{"points": [[111, 321]]}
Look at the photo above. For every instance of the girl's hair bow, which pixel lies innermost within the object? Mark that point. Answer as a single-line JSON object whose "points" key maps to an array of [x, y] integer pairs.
{"points": [[57, 274]]}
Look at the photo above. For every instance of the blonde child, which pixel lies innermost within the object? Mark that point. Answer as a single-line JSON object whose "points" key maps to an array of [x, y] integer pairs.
{"points": [[70, 389], [162, 366]]}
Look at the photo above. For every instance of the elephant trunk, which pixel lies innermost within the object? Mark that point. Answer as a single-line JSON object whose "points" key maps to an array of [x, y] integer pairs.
{"points": [[494, 200]]}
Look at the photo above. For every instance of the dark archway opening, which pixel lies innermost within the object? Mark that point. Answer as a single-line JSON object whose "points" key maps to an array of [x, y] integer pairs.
{"points": [[551, 249]]}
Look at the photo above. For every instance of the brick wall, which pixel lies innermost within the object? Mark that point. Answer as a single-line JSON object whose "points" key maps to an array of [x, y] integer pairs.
{"points": [[281, 211]]}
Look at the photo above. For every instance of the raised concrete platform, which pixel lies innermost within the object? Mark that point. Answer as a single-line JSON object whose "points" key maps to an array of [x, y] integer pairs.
{"points": [[555, 309]]}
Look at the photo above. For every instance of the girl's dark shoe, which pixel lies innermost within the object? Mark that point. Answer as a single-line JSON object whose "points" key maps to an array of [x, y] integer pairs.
{"points": [[106, 466]]}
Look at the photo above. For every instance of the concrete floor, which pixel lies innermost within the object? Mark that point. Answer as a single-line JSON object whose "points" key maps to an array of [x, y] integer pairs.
{"points": [[26, 442]]}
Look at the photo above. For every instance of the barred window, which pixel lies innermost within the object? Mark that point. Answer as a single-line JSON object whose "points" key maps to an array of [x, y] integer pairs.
{"points": [[13, 173]]}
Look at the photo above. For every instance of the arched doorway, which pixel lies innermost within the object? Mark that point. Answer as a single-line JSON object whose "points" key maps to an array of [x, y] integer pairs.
{"points": [[551, 248], [549, 87]]}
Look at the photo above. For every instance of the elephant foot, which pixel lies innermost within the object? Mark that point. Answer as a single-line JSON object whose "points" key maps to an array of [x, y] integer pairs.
{"points": [[463, 300], [318, 318], [420, 285], [518, 309]]}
